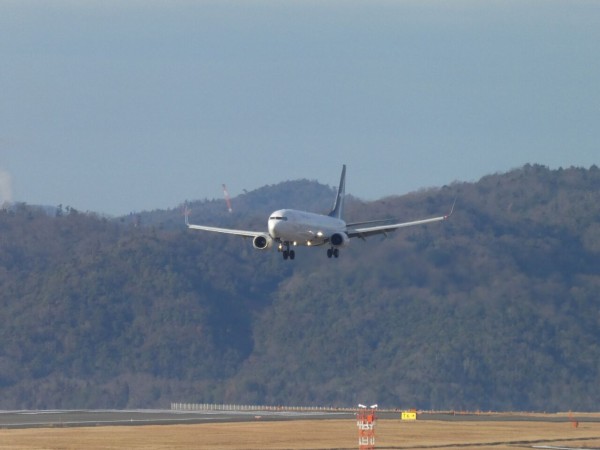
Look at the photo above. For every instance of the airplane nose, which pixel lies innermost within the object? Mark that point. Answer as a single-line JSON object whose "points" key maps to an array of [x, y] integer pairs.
{"points": [[272, 226]]}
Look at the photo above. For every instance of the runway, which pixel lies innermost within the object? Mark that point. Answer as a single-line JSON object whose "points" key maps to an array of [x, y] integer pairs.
{"points": [[86, 418]]}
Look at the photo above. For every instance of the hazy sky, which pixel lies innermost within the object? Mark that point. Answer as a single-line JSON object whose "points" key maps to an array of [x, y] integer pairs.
{"points": [[120, 106]]}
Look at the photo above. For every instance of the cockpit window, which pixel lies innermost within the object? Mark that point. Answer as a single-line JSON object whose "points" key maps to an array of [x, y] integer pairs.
{"points": [[278, 218]]}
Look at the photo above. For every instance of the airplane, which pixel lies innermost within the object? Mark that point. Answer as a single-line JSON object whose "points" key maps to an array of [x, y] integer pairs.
{"points": [[288, 228]]}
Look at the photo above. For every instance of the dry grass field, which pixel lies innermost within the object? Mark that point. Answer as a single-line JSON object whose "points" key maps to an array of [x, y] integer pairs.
{"points": [[316, 434]]}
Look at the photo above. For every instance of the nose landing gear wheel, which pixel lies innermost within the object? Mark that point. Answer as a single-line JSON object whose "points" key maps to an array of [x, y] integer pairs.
{"points": [[287, 253]]}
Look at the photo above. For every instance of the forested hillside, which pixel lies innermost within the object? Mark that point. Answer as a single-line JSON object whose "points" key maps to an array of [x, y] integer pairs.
{"points": [[497, 308]]}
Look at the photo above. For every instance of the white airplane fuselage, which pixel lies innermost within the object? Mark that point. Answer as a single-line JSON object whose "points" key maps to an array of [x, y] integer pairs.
{"points": [[303, 228]]}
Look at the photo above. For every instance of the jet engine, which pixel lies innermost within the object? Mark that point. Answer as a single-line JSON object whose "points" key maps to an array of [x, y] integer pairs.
{"points": [[339, 239], [262, 242]]}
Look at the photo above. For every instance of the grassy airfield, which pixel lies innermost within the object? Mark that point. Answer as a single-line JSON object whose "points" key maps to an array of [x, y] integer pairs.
{"points": [[314, 434]]}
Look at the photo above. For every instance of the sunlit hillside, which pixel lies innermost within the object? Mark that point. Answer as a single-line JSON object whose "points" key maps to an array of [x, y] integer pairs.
{"points": [[497, 308]]}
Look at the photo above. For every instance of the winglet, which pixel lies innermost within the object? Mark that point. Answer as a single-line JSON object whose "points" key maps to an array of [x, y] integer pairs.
{"points": [[338, 206], [186, 213], [447, 216]]}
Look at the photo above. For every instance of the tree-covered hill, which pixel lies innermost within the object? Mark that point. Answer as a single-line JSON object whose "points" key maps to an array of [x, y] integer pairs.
{"points": [[497, 308]]}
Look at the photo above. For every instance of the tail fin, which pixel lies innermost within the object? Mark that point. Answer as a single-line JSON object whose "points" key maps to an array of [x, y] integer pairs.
{"points": [[338, 205]]}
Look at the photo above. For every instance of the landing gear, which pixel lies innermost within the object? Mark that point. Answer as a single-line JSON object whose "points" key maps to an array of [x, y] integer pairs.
{"points": [[285, 249], [333, 252]]}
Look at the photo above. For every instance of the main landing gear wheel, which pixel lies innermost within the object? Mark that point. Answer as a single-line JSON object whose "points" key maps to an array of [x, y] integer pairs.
{"points": [[333, 252]]}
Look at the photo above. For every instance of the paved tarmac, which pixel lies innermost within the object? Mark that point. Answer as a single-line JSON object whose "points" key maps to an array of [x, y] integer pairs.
{"points": [[83, 418]]}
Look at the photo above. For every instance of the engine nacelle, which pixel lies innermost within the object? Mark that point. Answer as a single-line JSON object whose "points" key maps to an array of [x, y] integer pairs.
{"points": [[262, 242], [339, 239]]}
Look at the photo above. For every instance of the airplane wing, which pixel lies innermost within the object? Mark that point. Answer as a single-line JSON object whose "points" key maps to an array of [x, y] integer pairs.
{"points": [[368, 222], [383, 229], [363, 232], [244, 233]]}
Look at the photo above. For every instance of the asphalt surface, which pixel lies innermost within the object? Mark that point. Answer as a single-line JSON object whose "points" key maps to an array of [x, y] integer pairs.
{"points": [[87, 418]]}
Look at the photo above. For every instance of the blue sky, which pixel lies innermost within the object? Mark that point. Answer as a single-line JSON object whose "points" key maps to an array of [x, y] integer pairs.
{"points": [[121, 106]]}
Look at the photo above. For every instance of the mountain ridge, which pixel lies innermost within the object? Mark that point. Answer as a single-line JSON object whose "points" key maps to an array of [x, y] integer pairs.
{"points": [[496, 308]]}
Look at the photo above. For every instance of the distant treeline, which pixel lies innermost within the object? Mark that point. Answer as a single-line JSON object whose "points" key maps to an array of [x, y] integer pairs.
{"points": [[495, 309]]}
